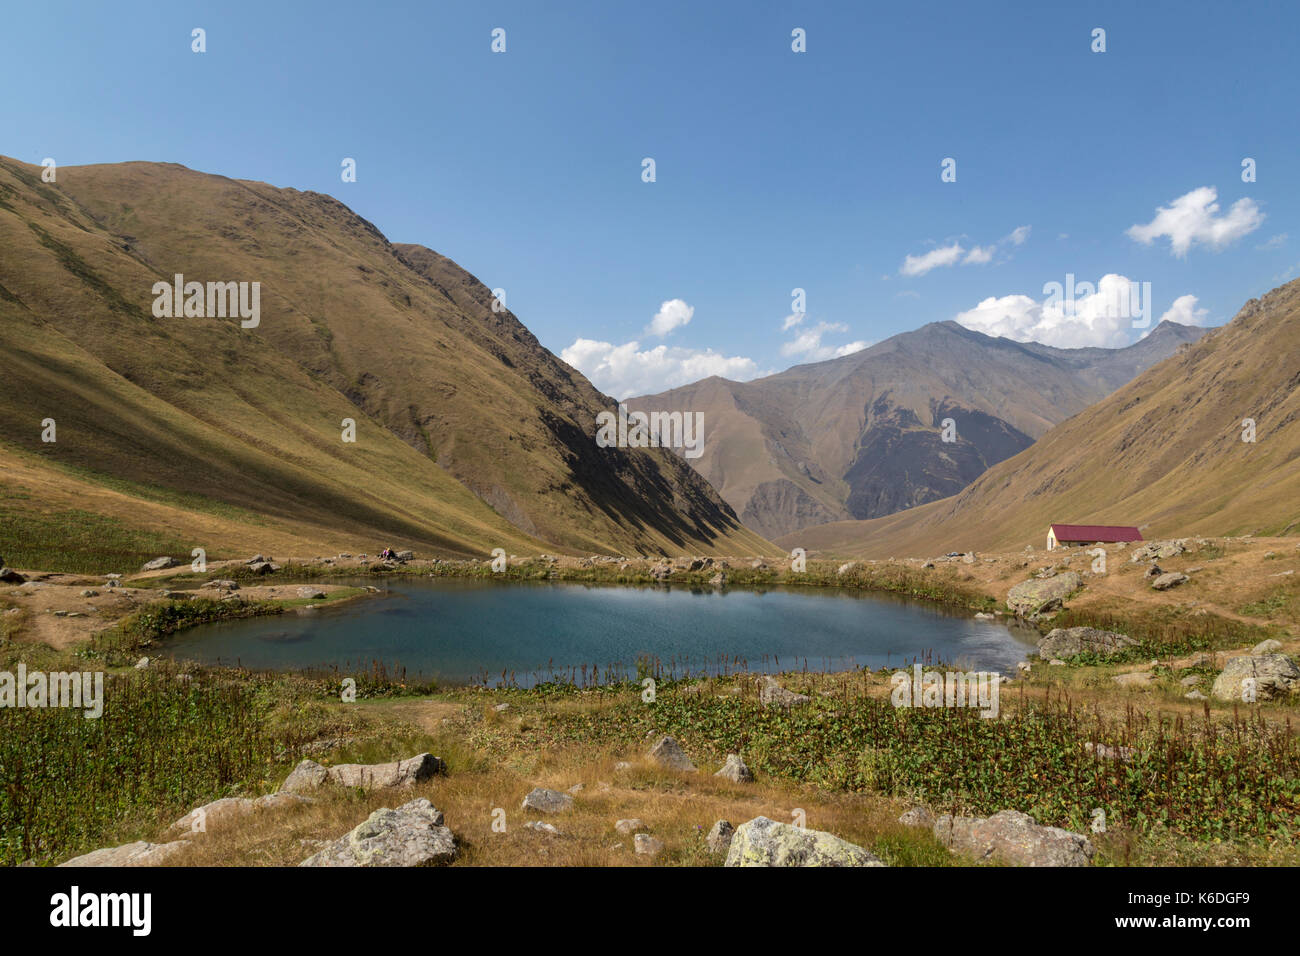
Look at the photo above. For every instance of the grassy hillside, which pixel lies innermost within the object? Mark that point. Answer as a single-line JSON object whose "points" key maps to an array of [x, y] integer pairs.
{"points": [[1164, 453], [469, 434]]}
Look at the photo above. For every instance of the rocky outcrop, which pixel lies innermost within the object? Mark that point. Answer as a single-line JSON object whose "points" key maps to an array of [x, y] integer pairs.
{"points": [[1069, 641], [1158, 549], [1041, 595], [764, 842], [158, 564], [1274, 675], [414, 834], [668, 753], [1014, 838], [309, 775]]}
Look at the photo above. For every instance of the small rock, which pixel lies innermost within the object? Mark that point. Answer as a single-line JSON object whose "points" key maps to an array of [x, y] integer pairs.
{"points": [[719, 838], [542, 800], [158, 564], [917, 817], [668, 753], [630, 825], [735, 770], [646, 845]]}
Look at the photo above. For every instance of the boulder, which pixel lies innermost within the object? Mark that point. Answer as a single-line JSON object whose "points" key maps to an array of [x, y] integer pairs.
{"points": [[1069, 641], [668, 753], [764, 842], [10, 576], [719, 838], [542, 800], [1269, 646], [158, 564], [735, 770], [412, 835], [917, 817], [311, 594], [718, 580], [230, 810], [1014, 838], [1039, 595], [1169, 580], [1134, 679], [139, 853], [772, 694], [263, 567], [646, 845], [1276, 675], [630, 825], [309, 775]]}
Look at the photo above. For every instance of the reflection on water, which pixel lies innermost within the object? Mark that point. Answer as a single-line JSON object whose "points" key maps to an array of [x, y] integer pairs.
{"points": [[459, 630]]}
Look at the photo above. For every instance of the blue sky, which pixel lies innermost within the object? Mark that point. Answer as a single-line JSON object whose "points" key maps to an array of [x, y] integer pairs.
{"points": [[774, 170]]}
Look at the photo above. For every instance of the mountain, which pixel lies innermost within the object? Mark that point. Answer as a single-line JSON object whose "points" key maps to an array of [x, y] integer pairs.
{"points": [[469, 434], [862, 436], [1164, 452]]}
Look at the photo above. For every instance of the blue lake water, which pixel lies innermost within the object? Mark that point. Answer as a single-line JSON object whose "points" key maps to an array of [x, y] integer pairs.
{"points": [[459, 631]]}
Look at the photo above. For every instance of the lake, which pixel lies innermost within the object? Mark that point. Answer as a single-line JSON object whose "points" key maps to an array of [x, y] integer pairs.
{"points": [[461, 631]]}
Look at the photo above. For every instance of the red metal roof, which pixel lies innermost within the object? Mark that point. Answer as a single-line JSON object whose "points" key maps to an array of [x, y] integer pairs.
{"points": [[1095, 532]]}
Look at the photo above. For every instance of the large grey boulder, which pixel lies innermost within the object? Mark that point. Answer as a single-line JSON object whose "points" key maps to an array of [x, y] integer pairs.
{"points": [[543, 800], [1069, 641], [772, 694], [1275, 675], [1015, 838], [1040, 595], [158, 564], [668, 753], [412, 835], [764, 842], [139, 853], [309, 775], [1269, 646], [735, 770], [1170, 579]]}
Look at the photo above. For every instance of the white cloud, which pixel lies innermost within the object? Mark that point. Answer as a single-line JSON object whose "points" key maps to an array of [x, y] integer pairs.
{"points": [[1102, 318], [1194, 218], [1275, 243], [791, 321], [943, 256], [672, 314], [808, 346], [1184, 310], [955, 253], [627, 370]]}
